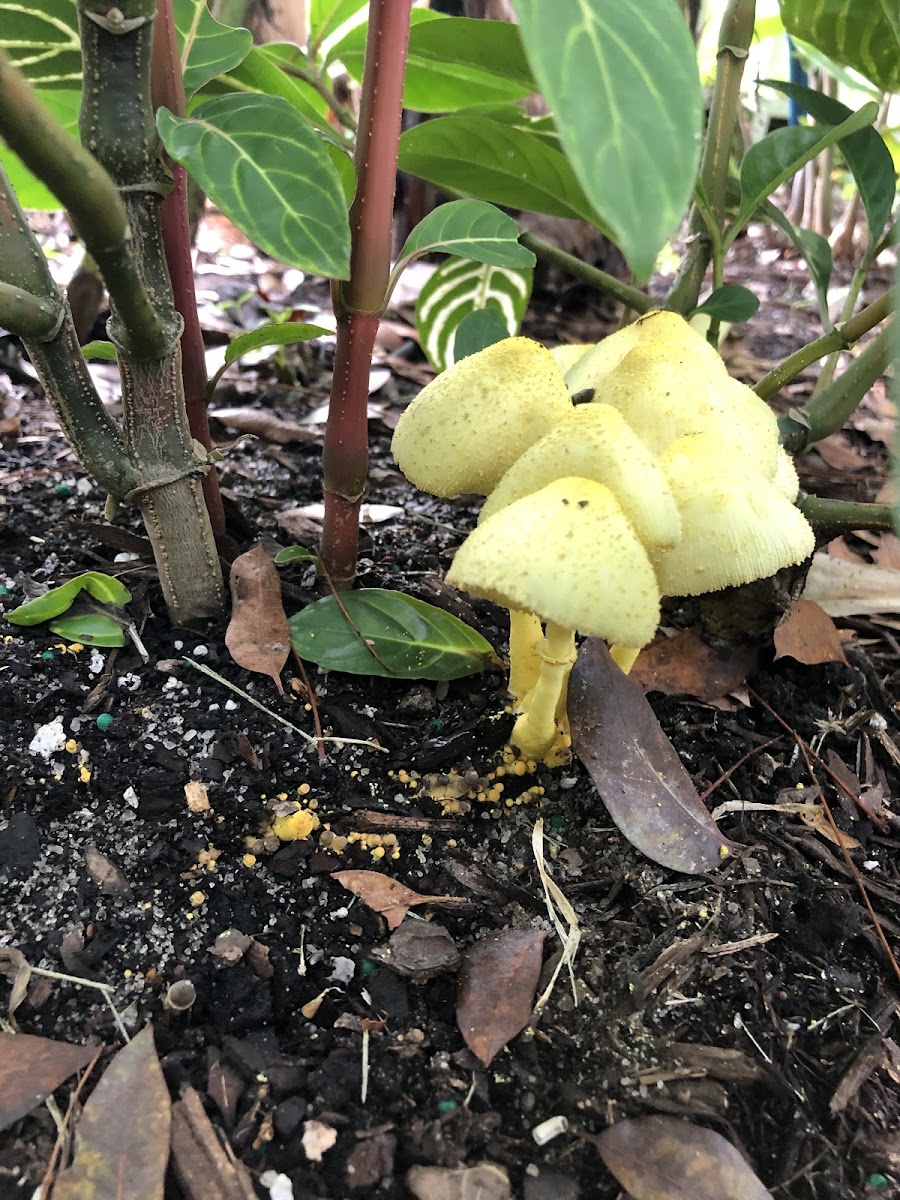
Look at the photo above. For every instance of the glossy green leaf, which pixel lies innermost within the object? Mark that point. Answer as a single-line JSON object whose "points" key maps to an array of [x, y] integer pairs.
{"points": [[104, 588], [208, 48], [458, 288], [815, 249], [272, 70], [285, 333], [780, 154], [292, 554], [327, 16], [100, 351], [469, 229], [92, 629], [730, 302], [477, 330], [42, 40], [863, 34], [268, 171], [494, 162], [621, 81], [411, 639], [64, 104], [453, 62], [517, 117], [865, 153]]}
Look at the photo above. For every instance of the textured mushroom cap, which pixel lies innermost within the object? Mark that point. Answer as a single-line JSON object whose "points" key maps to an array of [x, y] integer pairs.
{"points": [[593, 441], [736, 525], [661, 328], [568, 354], [466, 427], [737, 413], [664, 392], [568, 554], [786, 478]]}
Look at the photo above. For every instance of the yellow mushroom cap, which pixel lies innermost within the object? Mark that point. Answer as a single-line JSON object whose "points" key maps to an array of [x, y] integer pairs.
{"points": [[568, 554], [786, 478], [568, 354], [471, 423], [737, 413], [736, 525], [667, 330], [593, 441]]}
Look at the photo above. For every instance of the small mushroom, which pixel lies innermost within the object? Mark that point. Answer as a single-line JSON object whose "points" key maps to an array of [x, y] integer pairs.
{"points": [[568, 354], [584, 569], [737, 525], [470, 424]]}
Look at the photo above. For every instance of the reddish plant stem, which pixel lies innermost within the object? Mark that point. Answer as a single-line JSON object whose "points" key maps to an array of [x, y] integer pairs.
{"points": [[358, 303], [168, 92]]}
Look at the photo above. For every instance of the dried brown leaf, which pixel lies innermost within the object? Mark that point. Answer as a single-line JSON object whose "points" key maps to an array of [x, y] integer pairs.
{"points": [[497, 983], [686, 666], [485, 1181], [887, 551], [265, 425], [202, 1167], [15, 967], [640, 778], [815, 817], [31, 1069], [123, 1132], [387, 896], [808, 635], [663, 1158], [258, 635], [107, 876]]}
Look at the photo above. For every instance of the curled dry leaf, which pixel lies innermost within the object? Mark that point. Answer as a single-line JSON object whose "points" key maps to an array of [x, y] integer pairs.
{"points": [[123, 1131], [662, 1158], [808, 635], [816, 818], [258, 635], [635, 768], [686, 666], [388, 896], [32, 1068], [486, 1181], [419, 951], [266, 425], [15, 967], [497, 982], [107, 876]]}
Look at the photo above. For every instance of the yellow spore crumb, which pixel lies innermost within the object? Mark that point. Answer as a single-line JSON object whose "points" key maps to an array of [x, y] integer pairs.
{"points": [[71, 746], [197, 898], [249, 860], [296, 826], [84, 774]]}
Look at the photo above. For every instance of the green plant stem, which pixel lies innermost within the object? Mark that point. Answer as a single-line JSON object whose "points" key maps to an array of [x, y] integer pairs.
{"points": [[828, 411], [841, 337], [735, 38], [843, 516], [314, 77], [856, 282], [31, 316], [168, 92], [86, 191], [358, 303], [631, 297]]}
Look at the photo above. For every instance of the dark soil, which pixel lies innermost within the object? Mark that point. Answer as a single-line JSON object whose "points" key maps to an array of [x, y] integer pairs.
{"points": [[687, 1003]]}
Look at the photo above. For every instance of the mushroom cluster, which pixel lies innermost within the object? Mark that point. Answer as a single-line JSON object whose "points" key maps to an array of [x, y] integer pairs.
{"points": [[614, 474]]}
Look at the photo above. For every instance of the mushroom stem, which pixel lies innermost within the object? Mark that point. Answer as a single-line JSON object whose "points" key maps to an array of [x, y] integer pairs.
{"points": [[624, 656], [536, 730], [524, 662]]}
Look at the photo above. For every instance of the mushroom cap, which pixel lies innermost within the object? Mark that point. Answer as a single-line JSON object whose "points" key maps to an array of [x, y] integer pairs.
{"points": [[568, 354], [568, 554], [736, 525], [786, 478], [739, 415], [466, 427], [662, 328], [593, 441]]}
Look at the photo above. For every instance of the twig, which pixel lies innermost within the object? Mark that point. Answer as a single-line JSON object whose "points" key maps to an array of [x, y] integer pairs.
{"points": [[337, 741], [46, 1184], [314, 708], [371, 649]]}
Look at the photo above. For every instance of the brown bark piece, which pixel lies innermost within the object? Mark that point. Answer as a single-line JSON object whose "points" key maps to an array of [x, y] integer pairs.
{"points": [[203, 1168]]}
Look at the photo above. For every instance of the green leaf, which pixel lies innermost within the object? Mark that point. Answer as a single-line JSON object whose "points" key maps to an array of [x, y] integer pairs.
{"points": [[479, 329], [42, 40], [100, 351], [452, 62], [458, 288], [730, 302], [210, 48], [64, 104], [294, 554], [865, 153], [863, 34], [413, 640], [621, 81], [282, 334], [104, 588], [814, 248], [517, 117], [267, 69], [93, 629], [327, 16], [268, 171], [495, 162], [780, 154], [469, 229]]}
